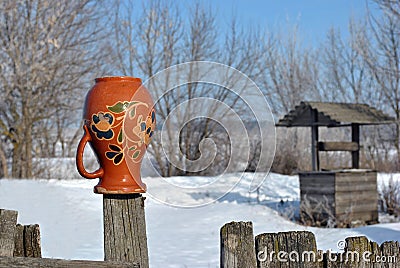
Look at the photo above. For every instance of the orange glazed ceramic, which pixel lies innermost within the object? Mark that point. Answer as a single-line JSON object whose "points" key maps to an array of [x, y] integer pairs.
{"points": [[119, 121]]}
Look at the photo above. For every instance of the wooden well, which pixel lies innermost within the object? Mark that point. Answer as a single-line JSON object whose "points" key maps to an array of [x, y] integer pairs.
{"points": [[347, 196]]}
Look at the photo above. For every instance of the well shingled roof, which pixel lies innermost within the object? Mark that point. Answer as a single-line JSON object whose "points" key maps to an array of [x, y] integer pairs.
{"points": [[334, 114]]}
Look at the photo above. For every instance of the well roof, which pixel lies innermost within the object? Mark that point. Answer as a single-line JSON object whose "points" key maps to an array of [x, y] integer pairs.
{"points": [[333, 114]]}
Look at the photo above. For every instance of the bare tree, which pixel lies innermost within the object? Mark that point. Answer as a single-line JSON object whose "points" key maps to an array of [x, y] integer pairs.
{"points": [[48, 51], [391, 7], [345, 76], [291, 72], [380, 50], [160, 37], [390, 197]]}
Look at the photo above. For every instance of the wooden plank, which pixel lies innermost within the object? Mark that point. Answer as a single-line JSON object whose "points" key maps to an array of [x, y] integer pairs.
{"points": [[125, 229], [23, 262], [356, 207], [362, 177], [335, 167], [287, 249], [316, 173], [324, 190], [317, 178], [354, 187], [27, 241], [338, 146], [391, 250], [358, 244], [319, 197], [350, 258], [266, 249], [32, 241], [359, 196], [335, 177], [317, 183], [366, 216], [8, 223], [19, 241], [237, 245], [332, 260]]}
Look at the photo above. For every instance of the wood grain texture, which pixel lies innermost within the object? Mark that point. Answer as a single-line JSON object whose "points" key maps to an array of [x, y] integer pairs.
{"points": [[357, 205], [362, 253], [359, 176], [299, 250], [354, 187], [23, 262], [125, 229], [27, 241], [338, 146], [237, 245], [287, 249], [353, 195], [366, 195], [8, 222], [334, 114], [319, 190]]}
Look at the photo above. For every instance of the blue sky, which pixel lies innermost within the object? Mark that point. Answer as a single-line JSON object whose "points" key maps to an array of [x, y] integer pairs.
{"points": [[314, 17]]}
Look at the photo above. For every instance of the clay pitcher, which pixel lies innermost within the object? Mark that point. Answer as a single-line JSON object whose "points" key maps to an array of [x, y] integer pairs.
{"points": [[119, 121]]}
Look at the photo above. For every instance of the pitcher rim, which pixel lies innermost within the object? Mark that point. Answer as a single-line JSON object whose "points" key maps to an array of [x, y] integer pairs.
{"points": [[117, 79]]}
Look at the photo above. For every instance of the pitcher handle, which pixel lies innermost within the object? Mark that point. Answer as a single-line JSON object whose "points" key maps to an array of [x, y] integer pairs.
{"points": [[79, 158]]}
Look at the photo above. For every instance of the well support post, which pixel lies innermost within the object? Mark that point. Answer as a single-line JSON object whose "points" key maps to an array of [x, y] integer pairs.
{"points": [[314, 141], [355, 137]]}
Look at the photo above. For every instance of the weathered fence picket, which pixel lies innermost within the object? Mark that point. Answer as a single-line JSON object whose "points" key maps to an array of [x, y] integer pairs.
{"points": [[125, 228], [8, 223], [237, 245], [299, 250], [294, 247], [27, 241]]}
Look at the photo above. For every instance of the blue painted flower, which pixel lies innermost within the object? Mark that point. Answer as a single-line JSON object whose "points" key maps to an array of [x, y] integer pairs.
{"points": [[116, 154], [101, 125]]}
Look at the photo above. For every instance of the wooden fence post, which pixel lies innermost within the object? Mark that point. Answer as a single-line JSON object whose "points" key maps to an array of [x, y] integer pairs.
{"points": [[362, 253], [287, 249], [237, 245], [8, 222], [125, 229], [391, 249], [27, 241]]}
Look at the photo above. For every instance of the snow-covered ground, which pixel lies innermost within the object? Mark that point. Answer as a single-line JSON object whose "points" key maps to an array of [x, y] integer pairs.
{"points": [[70, 215]]}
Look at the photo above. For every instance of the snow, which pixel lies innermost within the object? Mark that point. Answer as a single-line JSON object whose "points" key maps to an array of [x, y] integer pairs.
{"points": [[182, 224]]}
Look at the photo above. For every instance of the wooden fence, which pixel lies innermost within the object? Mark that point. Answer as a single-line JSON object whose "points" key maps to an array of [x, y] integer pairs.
{"points": [[20, 245], [239, 249]]}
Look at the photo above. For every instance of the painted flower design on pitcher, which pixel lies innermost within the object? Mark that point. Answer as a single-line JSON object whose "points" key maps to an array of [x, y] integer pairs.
{"points": [[115, 154], [145, 128], [102, 125]]}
